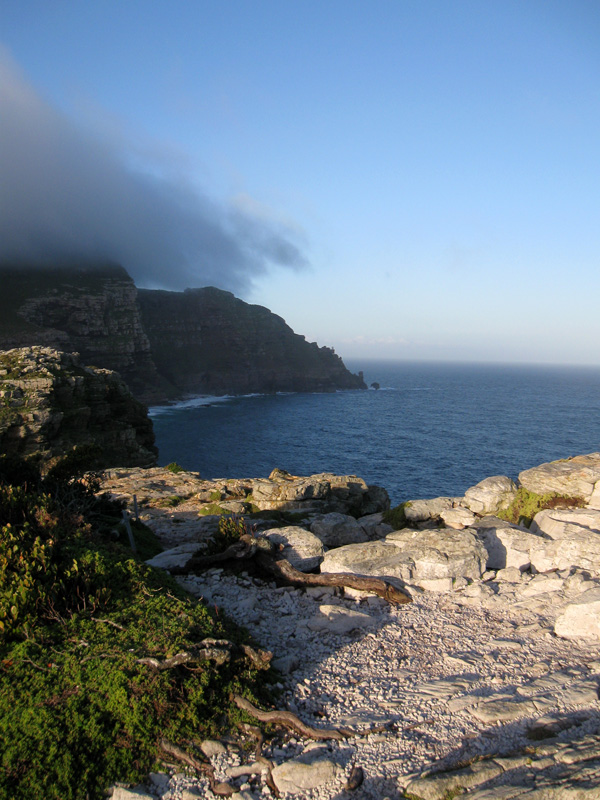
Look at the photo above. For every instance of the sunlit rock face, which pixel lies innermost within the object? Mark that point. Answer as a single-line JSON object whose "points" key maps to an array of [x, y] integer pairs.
{"points": [[50, 403]]}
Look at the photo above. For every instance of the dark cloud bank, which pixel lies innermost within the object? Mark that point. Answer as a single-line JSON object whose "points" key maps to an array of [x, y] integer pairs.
{"points": [[67, 194]]}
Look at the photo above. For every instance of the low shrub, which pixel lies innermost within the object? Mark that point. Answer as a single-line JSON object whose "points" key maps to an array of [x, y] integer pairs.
{"points": [[396, 517], [78, 711]]}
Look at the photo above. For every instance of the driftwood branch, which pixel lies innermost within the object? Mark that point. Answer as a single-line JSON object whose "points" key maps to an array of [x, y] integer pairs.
{"points": [[264, 554], [290, 721], [280, 568], [217, 787]]}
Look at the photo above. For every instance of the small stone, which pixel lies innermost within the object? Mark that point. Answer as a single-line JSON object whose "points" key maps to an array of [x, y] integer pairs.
{"points": [[211, 748]]}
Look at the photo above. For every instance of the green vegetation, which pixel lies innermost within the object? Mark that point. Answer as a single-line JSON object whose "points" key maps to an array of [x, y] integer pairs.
{"points": [[526, 505], [396, 516], [212, 508], [77, 612], [174, 468]]}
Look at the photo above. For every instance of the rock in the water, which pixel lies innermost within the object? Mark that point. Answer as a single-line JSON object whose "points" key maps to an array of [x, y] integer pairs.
{"points": [[308, 771], [335, 530], [52, 403], [581, 618], [490, 495], [572, 477], [301, 548]]}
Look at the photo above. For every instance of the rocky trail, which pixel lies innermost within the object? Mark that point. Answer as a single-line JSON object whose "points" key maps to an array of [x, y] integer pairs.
{"points": [[487, 685]]}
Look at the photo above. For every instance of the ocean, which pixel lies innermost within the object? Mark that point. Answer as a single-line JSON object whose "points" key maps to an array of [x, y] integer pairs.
{"points": [[431, 429]]}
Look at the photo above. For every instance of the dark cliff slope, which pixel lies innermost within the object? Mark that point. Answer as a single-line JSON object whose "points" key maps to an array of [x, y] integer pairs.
{"points": [[208, 341], [91, 310]]}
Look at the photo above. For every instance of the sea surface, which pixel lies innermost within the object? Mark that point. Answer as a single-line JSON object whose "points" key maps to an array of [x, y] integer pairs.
{"points": [[431, 429]]}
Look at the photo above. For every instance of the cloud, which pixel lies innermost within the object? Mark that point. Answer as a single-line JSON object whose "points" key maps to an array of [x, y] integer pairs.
{"points": [[68, 193]]}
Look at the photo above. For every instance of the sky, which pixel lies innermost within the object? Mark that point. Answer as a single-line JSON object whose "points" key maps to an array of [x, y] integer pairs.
{"points": [[406, 179]]}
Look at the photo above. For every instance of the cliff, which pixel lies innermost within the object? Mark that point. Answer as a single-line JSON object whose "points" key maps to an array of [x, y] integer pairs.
{"points": [[50, 403], [164, 344], [91, 310], [209, 341]]}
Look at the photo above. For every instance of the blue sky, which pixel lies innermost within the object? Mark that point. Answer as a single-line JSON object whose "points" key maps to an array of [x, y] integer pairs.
{"points": [[407, 179]]}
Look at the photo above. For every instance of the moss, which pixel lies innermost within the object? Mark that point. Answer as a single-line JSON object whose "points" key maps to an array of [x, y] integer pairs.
{"points": [[215, 496], [396, 517], [526, 505], [169, 502], [212, 508]]}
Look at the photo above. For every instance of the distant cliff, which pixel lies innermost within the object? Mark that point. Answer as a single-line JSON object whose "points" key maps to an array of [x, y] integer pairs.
{"points": [[164, 344], [89, 310], [208, 341]]}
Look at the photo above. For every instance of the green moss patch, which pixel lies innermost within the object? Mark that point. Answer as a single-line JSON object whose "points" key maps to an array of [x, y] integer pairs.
{"points": [[526, 505]]}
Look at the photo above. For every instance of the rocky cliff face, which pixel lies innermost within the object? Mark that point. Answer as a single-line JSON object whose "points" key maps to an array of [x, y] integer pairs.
{"points": [[163, 344], [89, 310], [208, 341], [50, 403]]}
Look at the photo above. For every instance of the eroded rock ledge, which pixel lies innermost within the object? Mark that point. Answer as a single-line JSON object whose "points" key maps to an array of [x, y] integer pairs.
{"points": [[50, 403]]}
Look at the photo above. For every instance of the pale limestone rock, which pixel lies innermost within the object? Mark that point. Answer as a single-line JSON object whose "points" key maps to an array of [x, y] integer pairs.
{"points": [[417, 557], [490, 495], [574, 536], [457, 518], [573, 477], [175, 557], [336, 530], [423, 510], [507, 545], [339, 620], [139, 793], [301, 548], [308, 771], [374, 526], [581, 618]]}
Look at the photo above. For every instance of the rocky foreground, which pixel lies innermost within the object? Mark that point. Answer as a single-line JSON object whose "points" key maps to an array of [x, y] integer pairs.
{"points": [[487, 682]]}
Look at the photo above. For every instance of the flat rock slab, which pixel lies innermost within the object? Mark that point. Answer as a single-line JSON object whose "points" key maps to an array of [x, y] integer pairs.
{"points": [[309, 771], [573, 477], [507, 545], [581, 618], [175, 556]]}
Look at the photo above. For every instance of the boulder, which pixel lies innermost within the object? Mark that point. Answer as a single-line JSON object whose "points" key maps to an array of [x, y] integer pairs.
{"points": [[581, 618], [300, 547], [490, 495], [417, 511], [573, 477], [567, 538], [457, 518], [417, 557], [374, 526], [306, 772], [335, 530], [507, 545]]}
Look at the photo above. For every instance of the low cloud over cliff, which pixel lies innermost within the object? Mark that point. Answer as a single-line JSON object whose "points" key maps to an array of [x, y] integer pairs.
{"points": [[66, 193]]}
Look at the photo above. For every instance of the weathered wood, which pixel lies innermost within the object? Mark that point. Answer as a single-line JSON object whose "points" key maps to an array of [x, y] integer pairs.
{"points": [[263, 553], [282, 569], [219, 788], [290, 721]]}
